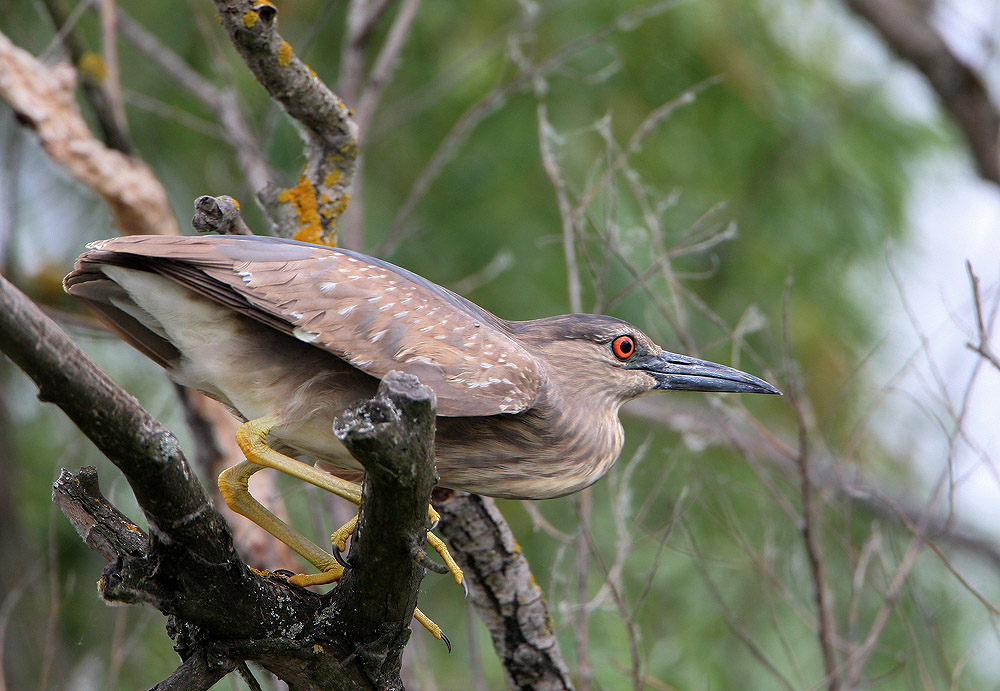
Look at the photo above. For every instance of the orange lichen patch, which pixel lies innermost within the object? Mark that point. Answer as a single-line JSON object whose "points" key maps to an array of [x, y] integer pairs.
{"points": [[262, 574], [333, 208], [92, 67], [317, 649], [332, 178], [249, 18], [266, 3], [303, 198], [285, 54], [236, 203]]}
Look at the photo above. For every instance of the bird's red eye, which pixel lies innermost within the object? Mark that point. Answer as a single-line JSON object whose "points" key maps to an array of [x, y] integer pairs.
{"points": [[623, 347]]}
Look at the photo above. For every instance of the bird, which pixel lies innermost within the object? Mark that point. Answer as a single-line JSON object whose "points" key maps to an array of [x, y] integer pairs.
{"points": [[288, 335]]}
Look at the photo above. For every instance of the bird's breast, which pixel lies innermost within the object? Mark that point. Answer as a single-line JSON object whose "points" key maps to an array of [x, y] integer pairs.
{"points": [[526, 456]]}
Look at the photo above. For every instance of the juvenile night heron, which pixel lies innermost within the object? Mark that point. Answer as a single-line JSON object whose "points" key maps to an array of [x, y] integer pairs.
{"points": [[288, 335]]}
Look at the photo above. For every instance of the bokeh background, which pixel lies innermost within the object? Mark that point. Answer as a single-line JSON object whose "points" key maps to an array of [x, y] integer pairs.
{"points": [[756, 182]]}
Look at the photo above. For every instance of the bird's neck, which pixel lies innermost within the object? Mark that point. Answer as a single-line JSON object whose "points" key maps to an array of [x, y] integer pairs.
{"points": [[549, 451]]}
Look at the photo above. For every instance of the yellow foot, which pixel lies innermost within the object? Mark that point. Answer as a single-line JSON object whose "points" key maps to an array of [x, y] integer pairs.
{"points": [[339, 541], [304, 580], [428, 624]]}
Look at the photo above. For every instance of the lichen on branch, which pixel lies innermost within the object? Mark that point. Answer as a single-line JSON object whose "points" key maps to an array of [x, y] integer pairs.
{"points": [[310, 209]]}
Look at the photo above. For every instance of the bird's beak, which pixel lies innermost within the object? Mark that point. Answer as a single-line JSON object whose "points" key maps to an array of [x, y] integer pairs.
{"points": [[675, 372]]}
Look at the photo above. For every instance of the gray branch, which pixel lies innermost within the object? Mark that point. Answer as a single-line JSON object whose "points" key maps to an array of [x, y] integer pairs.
{"points": [[502, 590], [310, 209], [223, 613]]}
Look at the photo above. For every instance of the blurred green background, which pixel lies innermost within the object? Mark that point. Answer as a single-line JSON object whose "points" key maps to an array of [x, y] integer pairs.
{"points": [[778, 184]]}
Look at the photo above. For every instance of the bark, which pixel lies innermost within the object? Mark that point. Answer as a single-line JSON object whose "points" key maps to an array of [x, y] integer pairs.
{"points": [[503, 591], [310, 209]]}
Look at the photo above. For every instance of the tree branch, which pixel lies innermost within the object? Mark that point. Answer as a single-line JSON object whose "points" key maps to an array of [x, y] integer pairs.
{"points": [[187, 567], [503, 591], [309, 211], [42, 98], [962, 92]]}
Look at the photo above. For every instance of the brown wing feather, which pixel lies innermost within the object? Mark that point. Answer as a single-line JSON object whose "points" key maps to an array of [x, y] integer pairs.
{"points": [[372, 314]]}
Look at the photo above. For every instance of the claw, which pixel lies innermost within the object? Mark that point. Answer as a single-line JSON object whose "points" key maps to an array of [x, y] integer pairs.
{"points": [[446, 641], [434, 523], [465, 588], [283, 572], [338, 555]]}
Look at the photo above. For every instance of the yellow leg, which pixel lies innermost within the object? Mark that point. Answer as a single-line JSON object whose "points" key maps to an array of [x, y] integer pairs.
{"points": [[233, 484]]}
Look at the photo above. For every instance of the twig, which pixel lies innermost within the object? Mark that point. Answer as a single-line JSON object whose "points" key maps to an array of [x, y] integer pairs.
{"points": [[368, 99], [569, 227], [983, 347], [625, 21], [111, 126], [109, 48], [809, 528], [234, 127], [741, 633]]}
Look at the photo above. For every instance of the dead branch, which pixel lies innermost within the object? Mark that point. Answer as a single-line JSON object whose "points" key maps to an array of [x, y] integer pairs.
{"points": [[351, 638], [42, 99]]}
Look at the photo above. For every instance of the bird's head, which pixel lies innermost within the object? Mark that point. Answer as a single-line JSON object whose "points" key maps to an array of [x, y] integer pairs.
{"points": [[611, 359]]}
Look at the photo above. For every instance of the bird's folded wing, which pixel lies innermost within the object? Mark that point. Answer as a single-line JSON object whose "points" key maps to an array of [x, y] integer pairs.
{"points": [[376, 316]]}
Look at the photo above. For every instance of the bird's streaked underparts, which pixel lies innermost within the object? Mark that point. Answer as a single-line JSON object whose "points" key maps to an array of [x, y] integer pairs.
{"points": [[288, 335]]}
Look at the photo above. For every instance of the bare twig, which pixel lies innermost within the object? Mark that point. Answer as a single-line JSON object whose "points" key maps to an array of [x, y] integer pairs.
{"points": [[569, 227], [809, 527], [741, 633], [626, 21], [108, 121], [983, 346], [367, 100], [234, 127], [112, 70]]}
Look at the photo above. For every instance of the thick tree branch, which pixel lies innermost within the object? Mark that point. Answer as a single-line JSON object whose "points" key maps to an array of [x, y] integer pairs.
{"points": [[393, 437], [190, 543], [962, 92], [226, 613]]}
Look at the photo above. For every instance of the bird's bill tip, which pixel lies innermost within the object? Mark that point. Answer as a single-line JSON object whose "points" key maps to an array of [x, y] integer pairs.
{"points": [[674, 372]]}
